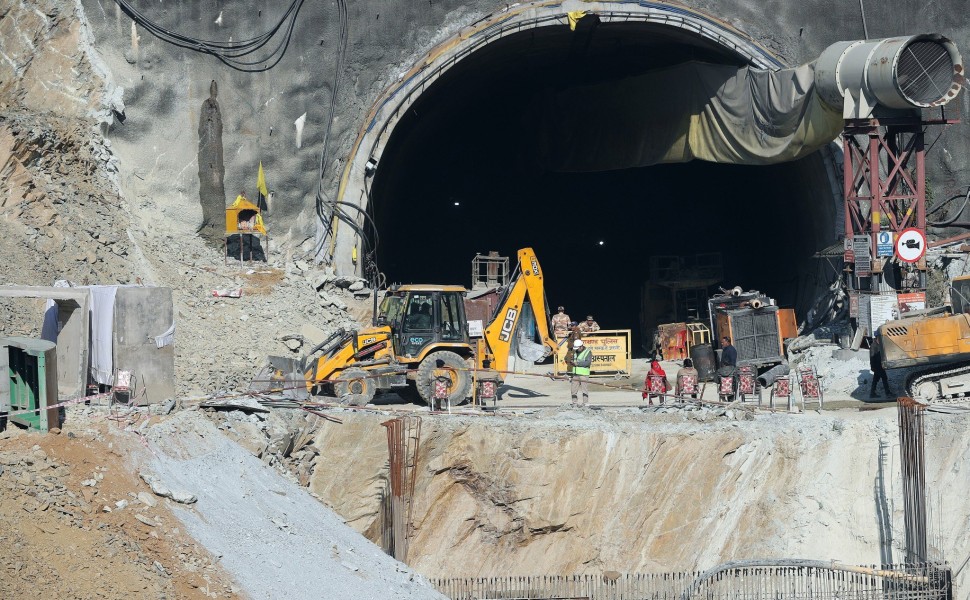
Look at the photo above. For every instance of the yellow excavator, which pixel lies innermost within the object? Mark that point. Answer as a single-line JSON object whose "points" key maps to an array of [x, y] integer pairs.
{"points": [[420, 333], [937, 341]]}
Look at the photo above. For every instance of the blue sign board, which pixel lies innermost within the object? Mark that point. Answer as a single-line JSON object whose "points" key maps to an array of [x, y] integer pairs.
{"points": [[884, 243]]}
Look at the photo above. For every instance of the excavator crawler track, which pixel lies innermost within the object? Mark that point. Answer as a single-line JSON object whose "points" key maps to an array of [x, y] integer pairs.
{"points": [[937, 375]]}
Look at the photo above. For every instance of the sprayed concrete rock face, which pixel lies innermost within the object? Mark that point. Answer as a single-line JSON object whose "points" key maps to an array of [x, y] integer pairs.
{"points": [[165, 86]]}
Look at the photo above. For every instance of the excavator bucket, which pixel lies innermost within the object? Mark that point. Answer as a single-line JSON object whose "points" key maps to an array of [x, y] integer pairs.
{"points": [[525, 347], [529, 350], [281, 375]]}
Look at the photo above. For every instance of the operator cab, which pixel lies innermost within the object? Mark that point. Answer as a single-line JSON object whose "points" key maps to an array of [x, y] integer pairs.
{"points": [[420, 315]]}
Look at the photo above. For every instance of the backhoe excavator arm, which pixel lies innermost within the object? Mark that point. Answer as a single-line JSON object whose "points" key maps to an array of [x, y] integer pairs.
{"points": [[500, 332]]}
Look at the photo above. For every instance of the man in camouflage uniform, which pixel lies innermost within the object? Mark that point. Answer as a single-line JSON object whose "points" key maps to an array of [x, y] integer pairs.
{"points": [[560, 324], [589, 325]]}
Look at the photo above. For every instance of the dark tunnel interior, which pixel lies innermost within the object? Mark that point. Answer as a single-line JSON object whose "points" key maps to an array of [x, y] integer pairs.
{"points": [[459, 176]]}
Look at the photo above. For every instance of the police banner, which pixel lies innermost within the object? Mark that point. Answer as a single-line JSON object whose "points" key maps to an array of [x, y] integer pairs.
{"points": [[611, 353]]}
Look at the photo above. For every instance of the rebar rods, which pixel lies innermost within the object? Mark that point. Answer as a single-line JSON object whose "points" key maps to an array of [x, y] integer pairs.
{"points": [[768, 579], [403, 445], [912, 461]]}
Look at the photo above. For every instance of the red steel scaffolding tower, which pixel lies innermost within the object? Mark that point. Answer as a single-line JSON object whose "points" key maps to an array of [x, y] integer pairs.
{"points": [[884, 162]]}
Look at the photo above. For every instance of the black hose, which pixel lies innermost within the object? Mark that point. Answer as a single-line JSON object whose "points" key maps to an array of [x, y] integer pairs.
{"points": [[229, 53], [770, 376], [956, 215], [322, 200]]}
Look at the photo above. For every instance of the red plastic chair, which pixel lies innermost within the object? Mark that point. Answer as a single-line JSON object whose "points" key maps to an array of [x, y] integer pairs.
{"points": [[725, 387], [440, 392]]}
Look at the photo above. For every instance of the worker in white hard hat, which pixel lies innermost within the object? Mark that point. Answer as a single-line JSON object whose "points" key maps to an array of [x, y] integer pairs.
{"points": [[579, 367]]}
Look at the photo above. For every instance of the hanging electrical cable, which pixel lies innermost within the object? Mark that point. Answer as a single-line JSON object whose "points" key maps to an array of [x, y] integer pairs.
{"points": [[229, 53], [234, 55], [330, 211]]}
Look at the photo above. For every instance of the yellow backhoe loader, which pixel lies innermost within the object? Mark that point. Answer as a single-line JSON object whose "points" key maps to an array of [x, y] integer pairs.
{"points": [[938, 341], [421, 332]]}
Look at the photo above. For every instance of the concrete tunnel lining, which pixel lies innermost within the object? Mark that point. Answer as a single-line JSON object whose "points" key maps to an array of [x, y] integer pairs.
{"points": [[431, 74], [387, 111]]}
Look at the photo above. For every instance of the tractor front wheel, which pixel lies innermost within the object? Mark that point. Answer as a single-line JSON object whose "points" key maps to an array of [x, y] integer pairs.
{"points": [[354, 387]]}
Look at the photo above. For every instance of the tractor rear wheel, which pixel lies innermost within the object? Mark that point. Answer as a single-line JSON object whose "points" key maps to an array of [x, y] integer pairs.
{"points": [[354, 387], [461, 377]]}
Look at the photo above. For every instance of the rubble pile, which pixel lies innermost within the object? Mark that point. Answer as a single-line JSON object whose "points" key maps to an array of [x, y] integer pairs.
{"points": [[841, 370], [281, 438], [72, 517], [62, 214], [220, 341], [63, 218]]}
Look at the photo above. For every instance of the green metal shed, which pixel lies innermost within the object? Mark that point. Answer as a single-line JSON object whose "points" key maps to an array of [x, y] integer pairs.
{"points": [[30, 382]]}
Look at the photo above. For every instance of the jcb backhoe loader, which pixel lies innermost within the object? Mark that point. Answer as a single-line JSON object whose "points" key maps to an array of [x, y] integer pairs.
{"points": [[421, 329], [938, 340]]}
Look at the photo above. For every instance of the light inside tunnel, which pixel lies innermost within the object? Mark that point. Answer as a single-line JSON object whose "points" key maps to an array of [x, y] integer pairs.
{"points": [[469, 140]]}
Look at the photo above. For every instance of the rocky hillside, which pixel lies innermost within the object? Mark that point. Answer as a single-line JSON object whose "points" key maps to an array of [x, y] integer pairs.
{"points": [[66, 215]]}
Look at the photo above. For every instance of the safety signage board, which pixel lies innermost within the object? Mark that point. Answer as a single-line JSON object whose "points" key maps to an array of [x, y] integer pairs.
{"points": [[882, 308], [911, 301], [884, 243], [874, 310], [863, 255], [911, 245], [476, 328]]}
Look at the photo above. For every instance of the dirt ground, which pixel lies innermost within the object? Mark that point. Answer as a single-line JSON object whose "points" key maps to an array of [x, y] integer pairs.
{"points": [[72, 524]]}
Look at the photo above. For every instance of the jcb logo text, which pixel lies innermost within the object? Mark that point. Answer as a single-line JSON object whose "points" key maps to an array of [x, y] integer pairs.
{"points": [[509, 324]]}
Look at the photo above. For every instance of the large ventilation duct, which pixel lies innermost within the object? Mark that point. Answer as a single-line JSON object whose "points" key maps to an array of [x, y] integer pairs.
{"points": [[919, 71]]}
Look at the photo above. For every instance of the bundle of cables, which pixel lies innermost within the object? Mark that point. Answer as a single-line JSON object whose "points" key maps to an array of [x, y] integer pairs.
{"points": [[326, 207], [234, 55], [237, 55]]}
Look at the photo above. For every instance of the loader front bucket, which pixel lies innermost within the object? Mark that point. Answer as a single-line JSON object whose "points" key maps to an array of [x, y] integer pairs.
{"points": [[281, 375]]}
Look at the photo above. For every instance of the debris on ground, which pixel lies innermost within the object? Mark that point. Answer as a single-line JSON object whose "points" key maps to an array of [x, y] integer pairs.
{"points": [[71, 518]]}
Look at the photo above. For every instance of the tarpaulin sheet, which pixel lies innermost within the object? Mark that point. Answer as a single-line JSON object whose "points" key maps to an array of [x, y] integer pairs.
{"points": [[717, 113], [101, 367]]}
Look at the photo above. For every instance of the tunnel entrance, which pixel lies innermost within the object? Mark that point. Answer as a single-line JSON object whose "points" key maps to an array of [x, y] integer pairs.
{"points": [[462, 173]]}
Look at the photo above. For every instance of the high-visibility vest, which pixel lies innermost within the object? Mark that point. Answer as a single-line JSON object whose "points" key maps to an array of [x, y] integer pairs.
{"points": [[576, 357]]}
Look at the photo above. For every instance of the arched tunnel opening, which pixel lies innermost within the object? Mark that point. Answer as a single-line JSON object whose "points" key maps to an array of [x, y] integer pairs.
{"points": [[462, 174]]}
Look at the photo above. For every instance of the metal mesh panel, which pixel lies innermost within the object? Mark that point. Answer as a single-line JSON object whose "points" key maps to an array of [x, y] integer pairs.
{"points": [[755, 335], [925, 71]]}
